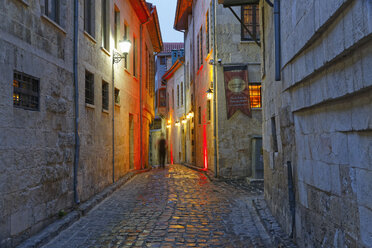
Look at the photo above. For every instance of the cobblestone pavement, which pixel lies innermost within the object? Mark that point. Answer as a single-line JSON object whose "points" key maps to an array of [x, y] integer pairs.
{"points": [[172, 207]]}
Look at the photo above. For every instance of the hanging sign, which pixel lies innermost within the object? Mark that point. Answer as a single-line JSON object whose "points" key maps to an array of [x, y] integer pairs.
{"points": [[237, 90]]}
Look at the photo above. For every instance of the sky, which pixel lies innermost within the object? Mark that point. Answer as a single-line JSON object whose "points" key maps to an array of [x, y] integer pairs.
{"points": [[166, 11]]}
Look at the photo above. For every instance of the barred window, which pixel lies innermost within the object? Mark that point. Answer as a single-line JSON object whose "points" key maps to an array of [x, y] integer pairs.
{"points": [[105, 95], [207, 31], [89, 87], [209, 109], [251, 19], [255, 95], [117, 96], [178, 95], [26, 91]]}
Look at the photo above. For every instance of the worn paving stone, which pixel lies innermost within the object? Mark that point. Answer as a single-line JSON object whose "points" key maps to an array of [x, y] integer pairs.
{"points": [[172, 207]]}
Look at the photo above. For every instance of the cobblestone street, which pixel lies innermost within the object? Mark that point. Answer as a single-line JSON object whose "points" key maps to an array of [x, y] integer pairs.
{"points": [[172, 207]]}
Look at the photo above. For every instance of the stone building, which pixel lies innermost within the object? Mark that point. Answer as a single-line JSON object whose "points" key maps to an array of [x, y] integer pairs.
{"points": [[176, 117], [217, 46], [43, 170], [317, 114], [163, 62]]}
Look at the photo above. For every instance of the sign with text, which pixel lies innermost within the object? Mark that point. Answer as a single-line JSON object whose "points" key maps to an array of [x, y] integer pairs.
{"points": [[237, 90]]}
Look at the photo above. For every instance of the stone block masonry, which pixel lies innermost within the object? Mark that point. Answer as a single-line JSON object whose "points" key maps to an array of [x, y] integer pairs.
{"points": [[326, 128]]}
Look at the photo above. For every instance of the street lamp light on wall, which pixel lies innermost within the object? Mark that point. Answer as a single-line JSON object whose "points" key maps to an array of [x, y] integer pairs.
{"points": [[209, 93], [124, 46]]}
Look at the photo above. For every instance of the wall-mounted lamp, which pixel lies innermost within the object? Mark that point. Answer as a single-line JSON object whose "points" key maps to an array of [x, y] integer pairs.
{"points": [[168, 126], [177, 124], [124, 46], [169, 122], [184, 121], [209, 93]]}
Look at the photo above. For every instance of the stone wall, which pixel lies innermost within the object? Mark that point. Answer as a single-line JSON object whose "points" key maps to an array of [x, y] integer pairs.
{"points": [[322, 110], [36, 147], [235, 154]]}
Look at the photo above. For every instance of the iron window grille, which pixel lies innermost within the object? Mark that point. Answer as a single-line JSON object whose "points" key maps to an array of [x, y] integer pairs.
{"points": [[89, 88], [251, 19], [105, 95], [26, 91], [255, 95], [117, 96]]}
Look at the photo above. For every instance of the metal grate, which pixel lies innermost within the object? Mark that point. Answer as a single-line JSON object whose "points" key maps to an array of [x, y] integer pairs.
{"points": [[89, 88], [25, 91], [105, 95], [251, 19]]}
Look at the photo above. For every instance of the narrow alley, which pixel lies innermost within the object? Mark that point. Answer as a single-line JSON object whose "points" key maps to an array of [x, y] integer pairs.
{"points": [[172, 207]]}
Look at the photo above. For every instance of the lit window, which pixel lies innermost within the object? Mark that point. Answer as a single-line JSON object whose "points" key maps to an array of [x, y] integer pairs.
{"points": [[255, 95]]}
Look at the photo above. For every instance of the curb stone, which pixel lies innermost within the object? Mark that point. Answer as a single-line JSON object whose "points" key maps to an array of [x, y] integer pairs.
{"points": [[52, 230]]}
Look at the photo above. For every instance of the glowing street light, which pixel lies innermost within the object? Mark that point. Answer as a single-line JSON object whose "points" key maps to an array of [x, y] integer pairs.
{"points": [[124, 46], [209, 93]]}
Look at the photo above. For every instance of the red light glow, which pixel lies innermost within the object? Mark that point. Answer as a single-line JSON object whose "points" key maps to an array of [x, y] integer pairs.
{"points": [[205, 147]]}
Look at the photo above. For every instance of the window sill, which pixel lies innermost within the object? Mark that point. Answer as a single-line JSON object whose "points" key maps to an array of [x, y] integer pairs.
{"points": [[91, 106], [117, 105], [24, 2], [248, 42], [126, 70], [105, 51], [56, 25], [257, 109], [90, 37], [105, 111]]}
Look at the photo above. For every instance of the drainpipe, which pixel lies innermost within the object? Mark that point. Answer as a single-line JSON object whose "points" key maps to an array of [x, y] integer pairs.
{"points": [[76, 84], [277, 40], [141, 118], [215, 90]]}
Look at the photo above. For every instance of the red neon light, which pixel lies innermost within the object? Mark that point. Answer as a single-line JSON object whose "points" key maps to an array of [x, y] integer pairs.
{"points": [[205, 147], [171, 155]]}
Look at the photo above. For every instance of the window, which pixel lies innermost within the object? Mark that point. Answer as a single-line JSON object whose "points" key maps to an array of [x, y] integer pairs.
{"points": [[26, 91], [125, 38], [273, 134], [255, 95], [207, 31], [201, 46], [105, 95], [147, 67], [52, 10], [209, 109], [117, 96], [172, 98], [198, 53], [134, 56], [162, 60], [178, 95], [105, 25], [251, 19], [89, 17], [199, 115], [116, 26], [181, 93], [89, 88]]}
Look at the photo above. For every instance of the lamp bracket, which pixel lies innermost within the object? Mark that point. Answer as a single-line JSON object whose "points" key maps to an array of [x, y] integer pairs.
{"points": [[118, 57]]}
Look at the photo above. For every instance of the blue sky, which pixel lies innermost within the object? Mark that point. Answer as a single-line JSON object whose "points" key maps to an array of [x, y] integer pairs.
{"points": [[166, 11]]}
